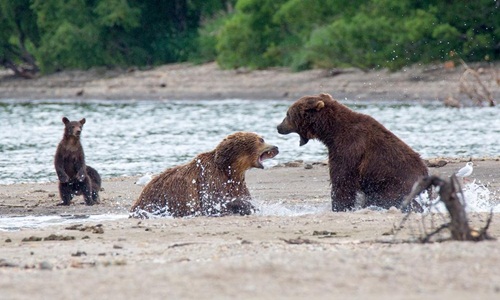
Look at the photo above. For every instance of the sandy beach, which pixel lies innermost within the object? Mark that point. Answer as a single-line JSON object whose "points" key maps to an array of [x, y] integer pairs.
{"points": [[293, 248], [207, 81]]}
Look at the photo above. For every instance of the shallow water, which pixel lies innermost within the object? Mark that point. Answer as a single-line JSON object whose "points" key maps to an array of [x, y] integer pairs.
{"points": [[137, 137], [477, 199], [17, 223]]}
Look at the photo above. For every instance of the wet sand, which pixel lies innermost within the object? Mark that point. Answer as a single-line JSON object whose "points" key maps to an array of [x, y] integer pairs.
{"points": [[278, 253]]}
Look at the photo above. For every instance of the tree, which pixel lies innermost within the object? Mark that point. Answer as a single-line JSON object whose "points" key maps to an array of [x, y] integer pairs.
{"points": [[365, 34], [59, 34], [82, 34], [18, 33], [249, 36]]}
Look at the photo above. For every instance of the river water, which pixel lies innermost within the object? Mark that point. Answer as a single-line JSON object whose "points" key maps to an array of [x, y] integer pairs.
{"points": [[138, 137]]}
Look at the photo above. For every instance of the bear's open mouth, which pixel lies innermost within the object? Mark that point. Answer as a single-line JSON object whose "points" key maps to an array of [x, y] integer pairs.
{"points": [[267, 154]]}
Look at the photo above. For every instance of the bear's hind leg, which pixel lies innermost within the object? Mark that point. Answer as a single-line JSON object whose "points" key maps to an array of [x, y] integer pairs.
{"points": [[86, 188], [95, 180], [66, 193], [384, 195], [95, 196]]}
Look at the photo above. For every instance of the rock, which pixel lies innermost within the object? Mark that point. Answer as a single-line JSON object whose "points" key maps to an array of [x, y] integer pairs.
{"points": [[45, 265]]}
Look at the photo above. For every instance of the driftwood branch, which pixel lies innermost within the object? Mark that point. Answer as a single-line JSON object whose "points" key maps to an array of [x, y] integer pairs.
{"points": [[428, 236], [28, 73], [449, 192], [475, 89]]}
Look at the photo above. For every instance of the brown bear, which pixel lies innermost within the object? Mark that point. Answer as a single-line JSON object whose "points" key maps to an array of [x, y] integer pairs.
{"points": [[363, 155], [75, 177], [213, 183]]}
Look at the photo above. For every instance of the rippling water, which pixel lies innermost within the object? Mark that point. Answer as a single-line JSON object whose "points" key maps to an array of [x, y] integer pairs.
{"points": [[136, 137]]}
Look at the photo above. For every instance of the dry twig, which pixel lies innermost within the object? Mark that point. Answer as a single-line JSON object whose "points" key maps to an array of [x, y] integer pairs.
{"points": [[474, 89]]}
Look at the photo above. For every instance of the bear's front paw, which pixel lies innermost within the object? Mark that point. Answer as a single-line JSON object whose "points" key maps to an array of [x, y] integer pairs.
{"points": [[64, 179], [241, 207]]}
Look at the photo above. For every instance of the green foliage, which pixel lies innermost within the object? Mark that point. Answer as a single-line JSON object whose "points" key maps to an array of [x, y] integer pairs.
{"points": [[117, 13], [206, 42], [365, 34], [70, 46], [169, 30], [248, 37], [61, 34], [82, 34]]}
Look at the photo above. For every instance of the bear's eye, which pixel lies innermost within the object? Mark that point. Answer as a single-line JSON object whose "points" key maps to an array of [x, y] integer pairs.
{"points": [[261, 140]]}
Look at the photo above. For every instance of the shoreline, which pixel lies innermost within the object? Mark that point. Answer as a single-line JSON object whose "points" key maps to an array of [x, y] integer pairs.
{"points": [[185, 81], [284, 183], [432, 162]]}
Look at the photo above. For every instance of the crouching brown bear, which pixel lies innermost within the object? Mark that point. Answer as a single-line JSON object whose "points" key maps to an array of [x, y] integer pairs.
{"points": [[363, 155], [75, 177], [213, 183]]}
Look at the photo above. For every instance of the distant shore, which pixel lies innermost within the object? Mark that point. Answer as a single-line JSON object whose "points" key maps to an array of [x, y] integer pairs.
{"points": [[208, 81]]}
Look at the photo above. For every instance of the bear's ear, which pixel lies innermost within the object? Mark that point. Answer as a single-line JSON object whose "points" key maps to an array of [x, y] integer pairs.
{"points": [[65, 120], [315, 105], [326, 95], [82, 121], [320, 105]]}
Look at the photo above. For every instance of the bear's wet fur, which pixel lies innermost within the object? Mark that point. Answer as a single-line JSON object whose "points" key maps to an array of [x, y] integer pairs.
{"points": [[75, 177], [363, 155], [213, 183]]}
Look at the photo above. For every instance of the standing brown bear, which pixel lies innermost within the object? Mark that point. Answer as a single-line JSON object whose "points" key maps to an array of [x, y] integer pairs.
{"points": [[213, 183], [363, 155], [75, 177]]}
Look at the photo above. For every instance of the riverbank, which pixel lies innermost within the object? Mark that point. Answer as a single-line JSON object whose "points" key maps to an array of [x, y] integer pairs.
{"points": [[295, 247], [207, 81]]}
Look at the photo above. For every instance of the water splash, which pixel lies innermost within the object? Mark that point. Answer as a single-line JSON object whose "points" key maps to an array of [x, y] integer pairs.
{"points": [[476, 197], [280, 209]]}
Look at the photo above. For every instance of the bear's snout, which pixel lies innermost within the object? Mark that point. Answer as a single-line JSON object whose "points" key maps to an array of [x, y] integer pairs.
{"points": [[284, 128]]}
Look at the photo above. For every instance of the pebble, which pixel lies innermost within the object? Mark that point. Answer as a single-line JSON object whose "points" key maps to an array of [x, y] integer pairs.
{"points": [[45, 265]]}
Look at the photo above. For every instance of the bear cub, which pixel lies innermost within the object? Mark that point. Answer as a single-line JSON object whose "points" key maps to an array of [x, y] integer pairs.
{"points": [[75, 177]]}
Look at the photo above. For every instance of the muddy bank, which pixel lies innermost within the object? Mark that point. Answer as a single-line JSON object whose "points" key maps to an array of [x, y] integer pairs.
{"points": [[207, 81]]}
